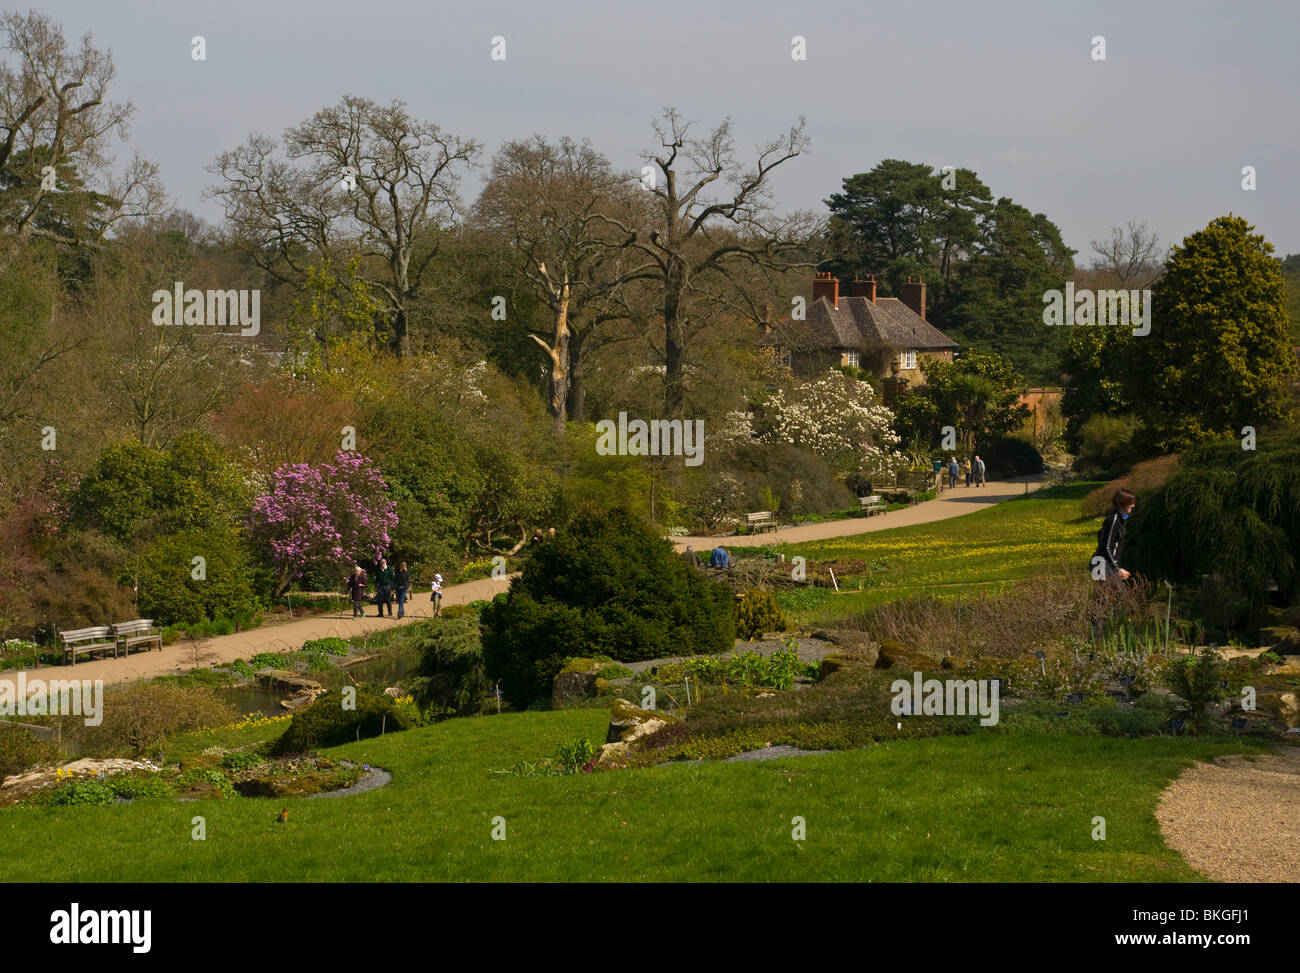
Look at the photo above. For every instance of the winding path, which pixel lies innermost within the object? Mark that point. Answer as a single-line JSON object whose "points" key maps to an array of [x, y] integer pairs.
{"points": [[289, 636], [1237, 819]]}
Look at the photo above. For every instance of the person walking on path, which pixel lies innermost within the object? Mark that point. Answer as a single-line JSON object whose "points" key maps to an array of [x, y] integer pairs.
{"points": [[383, 589], [401, 583], [978, 468], [356, 583], [436, 597], [966, 468], [953, 470], [1110, 539]]}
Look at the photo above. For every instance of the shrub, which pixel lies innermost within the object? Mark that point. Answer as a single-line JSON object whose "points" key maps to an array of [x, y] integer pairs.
{"points": [[1226, 511], [606, 585], [1144, 476], [756, 613], [135, 787], [448, 679], [1195, 679], [205, 782], [328, 646], [242, 760], [82, 792], [170, 593], [138, 717], [20, 750], [325, 723], [1011, 456], [1107, 442]]}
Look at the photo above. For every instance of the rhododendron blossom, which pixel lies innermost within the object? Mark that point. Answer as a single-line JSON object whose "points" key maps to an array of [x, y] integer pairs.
{"points": [[332, 514]]}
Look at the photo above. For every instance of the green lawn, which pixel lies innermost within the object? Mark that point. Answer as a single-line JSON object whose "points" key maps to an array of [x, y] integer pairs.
{"points": [[1000, 807], [977, 553]]}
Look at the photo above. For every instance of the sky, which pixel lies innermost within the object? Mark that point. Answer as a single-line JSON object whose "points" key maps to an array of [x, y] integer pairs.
{"points": [[1189, 92]]}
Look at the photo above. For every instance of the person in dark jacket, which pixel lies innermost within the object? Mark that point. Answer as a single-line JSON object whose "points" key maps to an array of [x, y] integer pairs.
{"points": [[383, 589], [1110, 539], [401, 584], [356, 584]]}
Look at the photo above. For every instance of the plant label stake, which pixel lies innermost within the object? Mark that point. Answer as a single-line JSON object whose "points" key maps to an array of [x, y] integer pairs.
{"points": [[498, 699], [687, 681], [833, 581], [1168, 611], [1042, 661]]}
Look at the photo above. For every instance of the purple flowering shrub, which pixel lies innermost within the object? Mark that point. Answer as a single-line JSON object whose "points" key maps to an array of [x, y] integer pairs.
{"points": [[332, 514]]}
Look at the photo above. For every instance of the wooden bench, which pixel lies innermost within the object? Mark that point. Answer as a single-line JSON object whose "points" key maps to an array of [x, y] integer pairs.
{"points": [[762, 520], [80, 640], [139, 632], [872, 504]]}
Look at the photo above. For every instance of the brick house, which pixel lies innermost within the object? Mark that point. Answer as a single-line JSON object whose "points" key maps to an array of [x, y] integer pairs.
{"points": [[886, 336]]}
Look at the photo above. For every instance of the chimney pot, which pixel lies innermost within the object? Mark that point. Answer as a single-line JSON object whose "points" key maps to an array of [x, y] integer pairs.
{"points": [[912, 293], [826, 285]]}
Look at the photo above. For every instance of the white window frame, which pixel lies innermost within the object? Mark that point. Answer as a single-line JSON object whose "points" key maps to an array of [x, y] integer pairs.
{"points": [[852, 358], [907, 360]]}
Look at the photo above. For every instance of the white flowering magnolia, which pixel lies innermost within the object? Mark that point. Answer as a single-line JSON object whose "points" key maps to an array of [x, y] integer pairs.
{"points": [[836, 417]]}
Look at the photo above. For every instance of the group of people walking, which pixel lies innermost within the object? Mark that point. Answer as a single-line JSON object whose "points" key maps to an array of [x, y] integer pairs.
{"points": [[973, 469], [390, 586]]}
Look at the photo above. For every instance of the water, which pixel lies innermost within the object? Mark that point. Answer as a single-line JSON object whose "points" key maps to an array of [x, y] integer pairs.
{"points": [[255, 699]]}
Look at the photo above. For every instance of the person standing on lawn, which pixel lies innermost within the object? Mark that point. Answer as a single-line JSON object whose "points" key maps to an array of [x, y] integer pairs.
{"points": [[356, 584], [401, 583], [383, 589]]}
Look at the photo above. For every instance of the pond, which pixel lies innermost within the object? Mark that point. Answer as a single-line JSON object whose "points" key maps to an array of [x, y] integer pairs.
{"points": [[256, 699]]}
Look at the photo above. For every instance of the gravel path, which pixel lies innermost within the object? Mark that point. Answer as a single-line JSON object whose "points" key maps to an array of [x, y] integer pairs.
{"points": [[771, 753], [370, 780], [1237, 819]]}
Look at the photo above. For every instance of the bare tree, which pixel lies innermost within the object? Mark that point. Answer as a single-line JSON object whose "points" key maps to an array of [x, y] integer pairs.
{"points": [[55, 125], [699, 237], [360, 179], [1132, 256], [551, 205]]}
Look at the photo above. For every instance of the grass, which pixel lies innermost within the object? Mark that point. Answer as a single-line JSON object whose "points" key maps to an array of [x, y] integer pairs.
{"points": [[980, 552], [1005, 807]]}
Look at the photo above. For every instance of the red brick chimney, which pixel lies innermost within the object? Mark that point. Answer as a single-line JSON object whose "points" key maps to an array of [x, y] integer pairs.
{"points": [[828, 286], [858, 287], [912, 294]]}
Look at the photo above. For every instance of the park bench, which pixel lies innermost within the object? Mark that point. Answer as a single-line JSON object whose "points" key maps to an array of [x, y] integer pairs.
{"points": [[872, 504], [762, 520], [139, 632], [80, 640]]}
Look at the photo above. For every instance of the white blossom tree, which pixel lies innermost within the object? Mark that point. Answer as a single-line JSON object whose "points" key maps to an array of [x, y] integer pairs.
{"points": [[837, 418]]}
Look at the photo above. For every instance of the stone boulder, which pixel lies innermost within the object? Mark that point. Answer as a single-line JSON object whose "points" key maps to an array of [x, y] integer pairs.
{"points": [[1282, 639], [852, 645], [629, 723], [575, 681], [19, 786]]}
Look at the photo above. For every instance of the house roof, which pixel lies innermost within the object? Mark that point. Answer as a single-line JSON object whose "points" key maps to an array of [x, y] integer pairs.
{"points": [[857, 323]]}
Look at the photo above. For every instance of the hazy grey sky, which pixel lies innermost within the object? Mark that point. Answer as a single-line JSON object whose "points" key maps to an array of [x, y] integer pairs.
{"points": [[1190, 92]]}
